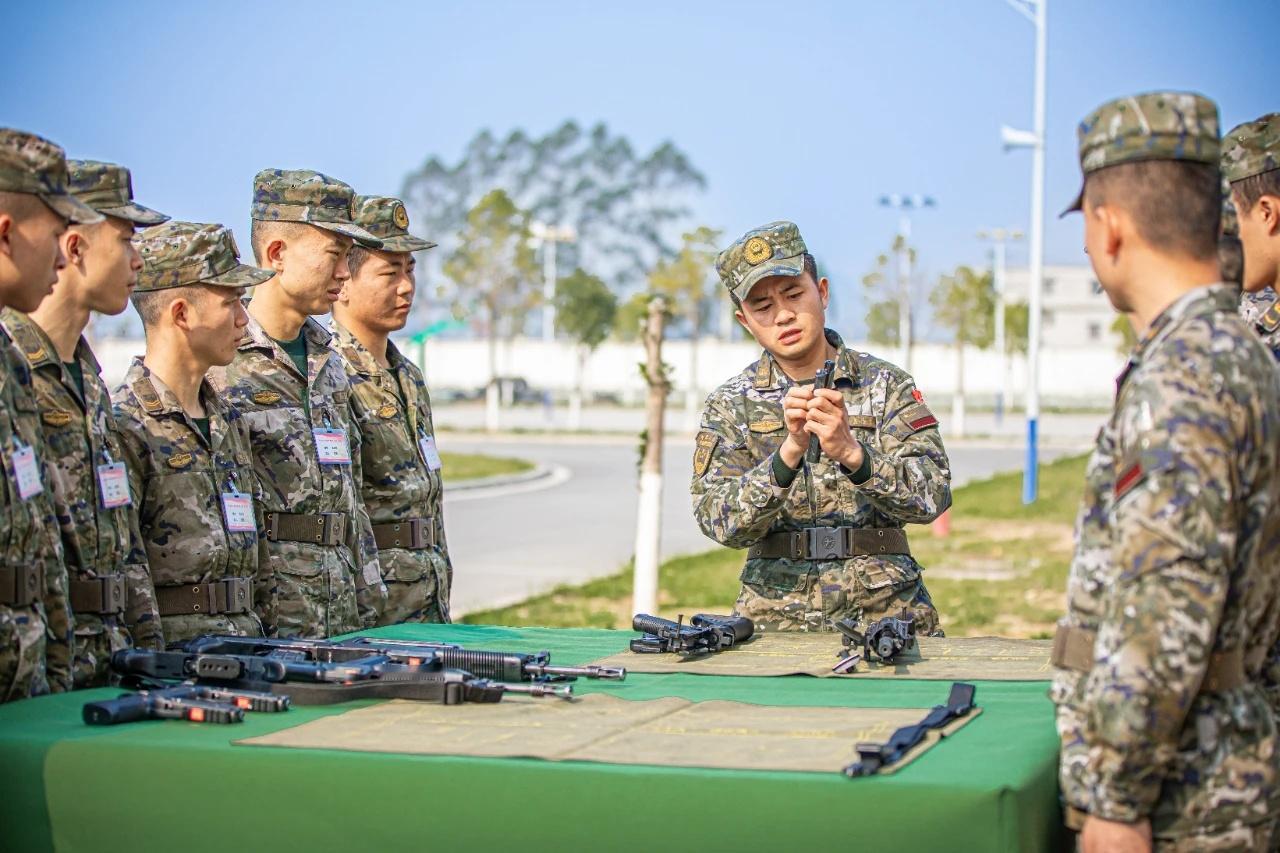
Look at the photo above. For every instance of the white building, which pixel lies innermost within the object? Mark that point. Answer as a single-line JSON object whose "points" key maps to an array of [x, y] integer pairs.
{"points": [[1077, 314]]}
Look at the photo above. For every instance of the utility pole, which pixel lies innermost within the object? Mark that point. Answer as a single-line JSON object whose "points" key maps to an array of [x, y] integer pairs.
{"points": [[547, 236], [998, 238], [905, 204], [649, 514], [1034, 11]]}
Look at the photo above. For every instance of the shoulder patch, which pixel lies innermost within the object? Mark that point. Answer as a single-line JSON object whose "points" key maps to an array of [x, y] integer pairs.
{"points": [[765, 425], [862, 421], [1270, 320], [386, 411], [55, 417], [706, 442], [918, 417], [764, 372], [265, 398]]}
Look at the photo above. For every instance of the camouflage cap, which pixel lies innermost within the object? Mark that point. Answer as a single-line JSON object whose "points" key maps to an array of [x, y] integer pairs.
{"points": [[108, 189], [300, 195], [177, 254], [773, 249], [1152, 126], [32, 164], [386, 219], [1252, 148]]}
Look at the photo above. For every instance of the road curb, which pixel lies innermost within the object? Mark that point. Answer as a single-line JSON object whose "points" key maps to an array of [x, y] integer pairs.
{"points": [[539, 472]]}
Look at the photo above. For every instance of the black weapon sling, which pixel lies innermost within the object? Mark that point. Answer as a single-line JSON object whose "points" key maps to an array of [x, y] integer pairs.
{"points": [[874, 756]]}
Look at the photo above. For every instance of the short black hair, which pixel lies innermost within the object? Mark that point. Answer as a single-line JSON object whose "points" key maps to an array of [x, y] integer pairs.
{"points": [[262, 231], [19, 205], [356, 258], [1176, 204], [152, 304], [1248, 190], [1231, 259]]}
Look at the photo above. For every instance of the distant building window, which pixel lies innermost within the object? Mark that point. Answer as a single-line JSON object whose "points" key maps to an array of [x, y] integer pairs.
{"points": [[1047, 316], [1095, 331], [1048, 286], [1095, 287]]}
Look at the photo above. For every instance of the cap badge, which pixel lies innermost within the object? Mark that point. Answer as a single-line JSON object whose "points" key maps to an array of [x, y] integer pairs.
{"points": [[399, 217], [757, 251]]}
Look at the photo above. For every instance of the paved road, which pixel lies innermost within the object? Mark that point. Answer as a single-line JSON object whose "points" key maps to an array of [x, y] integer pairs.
{"points": [[510, 544]]}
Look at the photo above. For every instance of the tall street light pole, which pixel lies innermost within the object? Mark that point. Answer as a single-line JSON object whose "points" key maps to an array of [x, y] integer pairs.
{"points": [[905, 204], [998, 238], [548, 236], [1034, 11]]}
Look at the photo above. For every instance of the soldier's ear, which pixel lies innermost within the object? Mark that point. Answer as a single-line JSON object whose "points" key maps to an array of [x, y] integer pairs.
{"points": [[1268, 208], [274, 254], [6, 228], [824, 291], [180, 313], [74, 246]]}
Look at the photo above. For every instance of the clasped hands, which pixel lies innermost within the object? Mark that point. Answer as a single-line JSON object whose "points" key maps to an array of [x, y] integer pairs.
{"points": [[818, 412]]}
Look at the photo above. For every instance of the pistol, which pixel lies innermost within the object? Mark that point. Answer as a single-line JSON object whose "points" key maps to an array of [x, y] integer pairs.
{"points": [[821, 379]]}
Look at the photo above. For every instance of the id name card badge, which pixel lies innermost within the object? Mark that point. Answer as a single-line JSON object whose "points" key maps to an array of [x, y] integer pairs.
{"points": [[27, 472], [113, 480], [237, 509], [332, 447], [427, 444]]}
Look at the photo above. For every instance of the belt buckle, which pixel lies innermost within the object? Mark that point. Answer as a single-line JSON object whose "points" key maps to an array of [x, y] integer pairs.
{"points": [[28, 582], [113, 594], [825, 543], [239, 595], [424, 533]]}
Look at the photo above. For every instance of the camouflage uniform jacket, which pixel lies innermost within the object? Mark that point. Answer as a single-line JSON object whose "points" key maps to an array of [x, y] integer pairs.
{"points": [[1181, 494], [1261, 312], [35, 639], [180, 478], [97, 542], [737, 501], [394, 413], [320, 590]]}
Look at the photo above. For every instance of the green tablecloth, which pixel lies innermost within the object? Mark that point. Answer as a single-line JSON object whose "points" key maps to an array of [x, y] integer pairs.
{"points": [[183, 787]]}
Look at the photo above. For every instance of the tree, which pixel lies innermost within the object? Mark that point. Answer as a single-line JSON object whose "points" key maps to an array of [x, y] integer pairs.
{"points": [[493, 268], [1017, 316], [684, 281], [887, 296], [631, 317], [586, 310], [626, 206], [1123, 330], [964, 302]]}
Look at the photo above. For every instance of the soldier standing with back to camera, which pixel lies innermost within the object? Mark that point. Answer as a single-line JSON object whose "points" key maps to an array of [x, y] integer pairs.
{"points": [[110, 587], [825, 539], [1167, 738]]}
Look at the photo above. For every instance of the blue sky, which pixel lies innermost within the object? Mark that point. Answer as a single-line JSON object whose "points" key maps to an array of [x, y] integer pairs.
{"points": [[803, 110]]}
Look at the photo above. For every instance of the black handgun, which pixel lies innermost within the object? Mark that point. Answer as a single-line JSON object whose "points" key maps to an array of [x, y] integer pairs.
{"points": [[194, 702], [821, 379], [704, 634]]}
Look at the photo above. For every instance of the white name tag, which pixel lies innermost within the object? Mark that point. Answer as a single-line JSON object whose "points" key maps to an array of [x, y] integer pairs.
{"points": [[427, 444], [373, 573], [332, 447], [113, 480], [26, 470], [237, 509]]}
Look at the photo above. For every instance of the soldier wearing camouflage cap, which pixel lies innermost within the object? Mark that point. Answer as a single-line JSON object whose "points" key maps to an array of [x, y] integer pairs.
{"points": [[292, 391], [1167, 739], [1251, 162], [402, 487], [110, 586], [187, 449], [36, 627], [825, 538]]}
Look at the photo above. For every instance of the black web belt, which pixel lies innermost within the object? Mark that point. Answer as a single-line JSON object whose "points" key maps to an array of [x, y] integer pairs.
{"points": [[830, 543], [873, 756]]}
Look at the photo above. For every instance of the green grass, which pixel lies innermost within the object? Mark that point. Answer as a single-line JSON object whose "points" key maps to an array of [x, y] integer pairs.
{"points": [[1001, 571], [472, 466]]}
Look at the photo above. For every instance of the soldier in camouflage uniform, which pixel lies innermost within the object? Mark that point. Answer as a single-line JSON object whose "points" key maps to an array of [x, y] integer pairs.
{"points": [[187, 450], [36, 626], [293, 394], [1251, 162], [402, 484], [825, 540], [1167, 739], [110, 587]]}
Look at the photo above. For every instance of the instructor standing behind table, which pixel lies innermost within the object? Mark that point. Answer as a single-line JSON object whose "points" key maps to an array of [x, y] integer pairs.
{"points": [[825, 538]]}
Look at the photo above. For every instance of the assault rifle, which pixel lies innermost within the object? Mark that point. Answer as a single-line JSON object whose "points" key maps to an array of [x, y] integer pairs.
{"points": [[704, 634], [323, 683], [195, 702], [495, 665]]}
